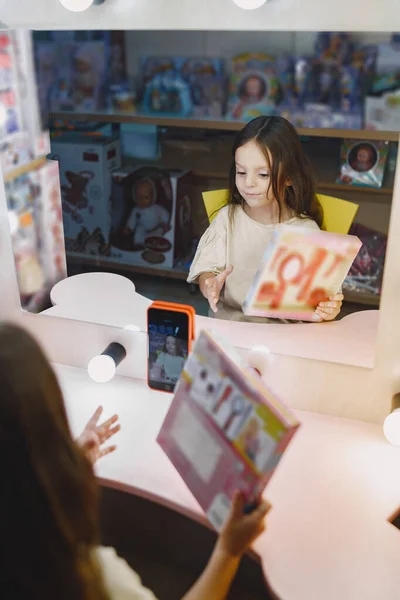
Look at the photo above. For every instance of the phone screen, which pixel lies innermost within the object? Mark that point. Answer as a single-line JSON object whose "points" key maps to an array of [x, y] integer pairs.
{"points": [[168, 333]]}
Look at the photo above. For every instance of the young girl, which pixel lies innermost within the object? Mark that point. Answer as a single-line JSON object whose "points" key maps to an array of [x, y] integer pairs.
{"points": [[170, 361], [48, 501], [271, 182]]}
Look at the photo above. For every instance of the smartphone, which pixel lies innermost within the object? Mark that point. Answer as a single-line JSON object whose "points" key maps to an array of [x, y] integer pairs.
{"points": [[170, 334]]}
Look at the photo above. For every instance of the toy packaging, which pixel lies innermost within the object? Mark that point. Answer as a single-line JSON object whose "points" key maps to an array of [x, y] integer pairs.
{"points": [[85, 165], [300, 269], [151, 221], [366, 272], [225, 429], [49, 221], [71, 77], [166, 92], [22, 195], [183, 86], [15, 145], [254, 87], [363, 163]]}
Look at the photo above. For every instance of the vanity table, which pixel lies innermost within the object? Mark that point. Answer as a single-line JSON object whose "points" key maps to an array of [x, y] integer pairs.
{"points": [[328, 533]]}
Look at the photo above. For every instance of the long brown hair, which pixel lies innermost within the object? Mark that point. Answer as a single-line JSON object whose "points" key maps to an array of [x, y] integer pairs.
{"points": [[48, 497], [278, 140]]}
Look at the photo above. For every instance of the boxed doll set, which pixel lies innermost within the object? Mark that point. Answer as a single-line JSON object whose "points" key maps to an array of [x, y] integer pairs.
{"points": [[85, 165], [254, 87], [183, 87], [225, 429], [150, 216], [300, 269], [363, 163], [366, 272]]}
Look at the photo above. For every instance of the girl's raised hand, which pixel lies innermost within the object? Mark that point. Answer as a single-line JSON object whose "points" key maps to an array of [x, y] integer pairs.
{"points": [[213, 287], [94, 436], [329, 309]]}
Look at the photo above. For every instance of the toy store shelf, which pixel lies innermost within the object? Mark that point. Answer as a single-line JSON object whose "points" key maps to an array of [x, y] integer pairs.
{"points": [[157, 271], [338, 187], [362, 298], [23, 169], [221, 124]]}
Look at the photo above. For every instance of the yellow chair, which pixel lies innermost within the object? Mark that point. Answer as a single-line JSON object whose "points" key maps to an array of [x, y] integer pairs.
{"points": [[338, 214]]}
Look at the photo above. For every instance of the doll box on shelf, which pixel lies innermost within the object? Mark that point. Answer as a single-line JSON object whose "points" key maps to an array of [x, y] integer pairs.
{"points": [[85, 165], [151, 212]]}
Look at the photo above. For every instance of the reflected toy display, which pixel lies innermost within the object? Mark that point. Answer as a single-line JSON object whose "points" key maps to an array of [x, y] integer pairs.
{"points": [[225, 430], [81, 71], [300, 269], [85, 172], [254, 87], [166, 92], [150, 216], [366, 272], [363, 163], [183, 86]]}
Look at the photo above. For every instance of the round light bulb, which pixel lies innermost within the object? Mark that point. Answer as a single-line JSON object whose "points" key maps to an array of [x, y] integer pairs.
{"points": [[76, 5], [101, 368], [391, 427], [249, 4], [13, 221]]}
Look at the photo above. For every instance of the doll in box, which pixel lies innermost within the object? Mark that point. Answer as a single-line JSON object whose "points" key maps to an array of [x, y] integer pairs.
{"points": [[148, 216], [362, 158], [254, 86], [87, 75]]}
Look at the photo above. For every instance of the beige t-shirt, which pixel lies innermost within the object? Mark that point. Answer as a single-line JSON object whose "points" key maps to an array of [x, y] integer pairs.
{"points": [[121, 582], [242, 245]]}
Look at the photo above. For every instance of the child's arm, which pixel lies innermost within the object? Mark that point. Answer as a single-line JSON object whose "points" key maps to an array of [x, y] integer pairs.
{"points": [[237, 535]]}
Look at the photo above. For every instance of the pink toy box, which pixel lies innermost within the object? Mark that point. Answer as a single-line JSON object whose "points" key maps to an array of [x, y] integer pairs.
{"points": [[300, 269], [225, 430]]}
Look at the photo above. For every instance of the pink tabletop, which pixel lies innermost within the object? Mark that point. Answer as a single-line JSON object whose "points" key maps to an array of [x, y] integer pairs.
{"points": [[328, 535]]}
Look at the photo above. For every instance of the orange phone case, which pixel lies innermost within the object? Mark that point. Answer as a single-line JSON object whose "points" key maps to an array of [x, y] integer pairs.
{"points": [[176, 307]]}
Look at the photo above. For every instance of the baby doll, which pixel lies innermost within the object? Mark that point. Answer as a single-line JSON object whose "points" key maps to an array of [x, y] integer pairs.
{"points": [[249, 439], [364, 160], [252, 91], [147, 216]]}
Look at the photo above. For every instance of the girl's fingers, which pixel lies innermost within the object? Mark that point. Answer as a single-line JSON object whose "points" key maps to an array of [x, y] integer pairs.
{"points": [[94, 419], [329, 304], [109, 433], [339, 297], [105, 451]]}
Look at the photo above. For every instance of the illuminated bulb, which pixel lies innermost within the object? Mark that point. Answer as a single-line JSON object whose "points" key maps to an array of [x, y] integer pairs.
{"points": [[249, 4], [391, 427], [76, 5], [3, 115], [102, 368], [13, 221]]}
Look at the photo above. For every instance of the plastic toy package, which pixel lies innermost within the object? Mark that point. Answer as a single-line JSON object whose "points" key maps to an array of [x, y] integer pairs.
{"points": [[366, 272], [181, 87], [254, 87], [363, 163]]}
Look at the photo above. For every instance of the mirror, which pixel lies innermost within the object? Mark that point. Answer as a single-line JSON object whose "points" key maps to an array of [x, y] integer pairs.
{"points": [[135, 140]]}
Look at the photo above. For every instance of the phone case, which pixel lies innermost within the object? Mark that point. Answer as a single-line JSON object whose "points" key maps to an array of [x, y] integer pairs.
{"points": [[176, 307]]}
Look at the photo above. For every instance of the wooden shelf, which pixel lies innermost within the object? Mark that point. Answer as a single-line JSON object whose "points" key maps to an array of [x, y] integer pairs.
{"points": [[221, 124], [362, 298], [157, 271], [23, 169]]}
